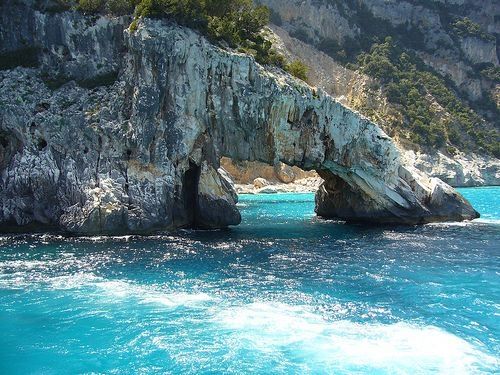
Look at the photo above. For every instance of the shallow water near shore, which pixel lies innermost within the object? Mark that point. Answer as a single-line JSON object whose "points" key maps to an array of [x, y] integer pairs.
{"points": [[284, 292]]}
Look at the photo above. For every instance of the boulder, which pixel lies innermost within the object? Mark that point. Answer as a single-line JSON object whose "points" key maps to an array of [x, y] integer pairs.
{"points": [[216, 203], [260, 183], [284, 172]]}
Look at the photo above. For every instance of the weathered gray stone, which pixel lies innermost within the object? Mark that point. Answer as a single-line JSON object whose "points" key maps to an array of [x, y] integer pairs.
{"points": [[142, 154], [215, 206], [317, 21]]}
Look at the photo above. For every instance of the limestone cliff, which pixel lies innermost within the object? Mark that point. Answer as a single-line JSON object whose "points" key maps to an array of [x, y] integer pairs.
{"points": [[119, 131], [355, 90], [326, 34], [428, 23]]}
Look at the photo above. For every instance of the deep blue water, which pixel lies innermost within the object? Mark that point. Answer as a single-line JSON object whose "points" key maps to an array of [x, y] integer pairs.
{"points": [[284, 292]]}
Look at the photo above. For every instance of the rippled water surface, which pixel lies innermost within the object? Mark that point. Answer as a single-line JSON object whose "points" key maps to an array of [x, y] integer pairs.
{"points": [[284, 292]]}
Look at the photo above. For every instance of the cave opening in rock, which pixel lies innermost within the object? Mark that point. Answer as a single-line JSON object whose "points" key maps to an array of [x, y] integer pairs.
{"points": [[4, 141], [190, 194], [9, 144], [42, 144], [258, 177]]}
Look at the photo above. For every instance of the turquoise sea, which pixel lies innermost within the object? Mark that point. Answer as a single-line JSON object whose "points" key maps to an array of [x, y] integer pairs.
{"points": [[284, 293]]}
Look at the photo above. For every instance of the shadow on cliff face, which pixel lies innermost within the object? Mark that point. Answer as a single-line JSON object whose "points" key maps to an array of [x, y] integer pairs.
{"points": [[9, 145], [184, 212], [207, 199], [190, 192]]}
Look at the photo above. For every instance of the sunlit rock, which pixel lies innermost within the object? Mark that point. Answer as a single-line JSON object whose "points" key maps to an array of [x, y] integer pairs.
{"points": [[141, 153]]}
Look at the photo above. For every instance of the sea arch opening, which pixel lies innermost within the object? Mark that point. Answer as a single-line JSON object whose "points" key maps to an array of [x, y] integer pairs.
{"points": [[259, 177]]}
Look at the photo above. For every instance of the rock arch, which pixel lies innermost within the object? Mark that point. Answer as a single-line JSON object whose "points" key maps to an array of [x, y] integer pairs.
{"points": [[142, 154], [365, 179]]}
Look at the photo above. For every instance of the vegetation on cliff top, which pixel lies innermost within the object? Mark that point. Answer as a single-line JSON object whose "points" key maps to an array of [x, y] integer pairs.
{"points": [[430, 110], [413, 89], [464, 27], [237, 23], [425, 107]]}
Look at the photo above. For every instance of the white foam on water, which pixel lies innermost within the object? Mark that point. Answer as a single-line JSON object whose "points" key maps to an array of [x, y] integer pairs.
{"points": [[142, 294], [124, 238], [178, 299], [452, 224], [485, 220], [74, 281], [348, 346], [35, 274], [105, 291], [26, 265]]}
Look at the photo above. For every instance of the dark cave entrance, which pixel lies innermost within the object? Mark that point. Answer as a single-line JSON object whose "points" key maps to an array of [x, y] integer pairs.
{"points": [[190, 195]]}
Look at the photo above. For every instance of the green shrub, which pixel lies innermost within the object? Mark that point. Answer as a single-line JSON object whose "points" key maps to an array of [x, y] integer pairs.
{"points": [[301, 34], [224, 29], [412, 89], [334, 49], [492, 73], [329, 46], [120, 7], [90, 6], [297, 69], [58, 6], [133, 26], [465, 27], [238, 23]]}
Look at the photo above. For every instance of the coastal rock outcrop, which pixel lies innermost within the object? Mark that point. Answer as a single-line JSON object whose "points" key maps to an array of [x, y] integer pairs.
{"points": [[460, 170], [353, 89], [141, 152], [428, 22]]}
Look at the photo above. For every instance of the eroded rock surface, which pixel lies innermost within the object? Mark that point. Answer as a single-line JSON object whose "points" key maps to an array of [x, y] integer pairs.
{"points": [[142, 153], [323, 20], [355, 90], [461, 170]]}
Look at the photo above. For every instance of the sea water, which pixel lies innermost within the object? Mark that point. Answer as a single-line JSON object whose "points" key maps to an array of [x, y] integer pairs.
{"points": [[285, 293]]}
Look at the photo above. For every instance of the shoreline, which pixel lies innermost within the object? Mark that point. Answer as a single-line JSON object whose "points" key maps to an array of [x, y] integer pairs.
{"points": [[263, 186], [249, 189]]}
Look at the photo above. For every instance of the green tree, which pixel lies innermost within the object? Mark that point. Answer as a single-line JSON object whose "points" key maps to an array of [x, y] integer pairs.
{"points": [[298, 69], [90, 6]]}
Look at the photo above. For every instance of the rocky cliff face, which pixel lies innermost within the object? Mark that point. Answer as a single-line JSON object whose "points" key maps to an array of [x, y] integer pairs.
{"points": [[122, 132], [452, 56], [428, 22], [355, 91]]}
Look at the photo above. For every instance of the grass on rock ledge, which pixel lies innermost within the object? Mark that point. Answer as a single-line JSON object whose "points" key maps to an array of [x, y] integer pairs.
{"points": [[238, 24]]}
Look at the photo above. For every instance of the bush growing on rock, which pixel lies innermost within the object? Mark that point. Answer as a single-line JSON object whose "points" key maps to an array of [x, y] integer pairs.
{"points": [[464, 27], [492, 73], [297, 69], [90, 6], [60, 5], [418, 93], [121, 7], [236, 23]]}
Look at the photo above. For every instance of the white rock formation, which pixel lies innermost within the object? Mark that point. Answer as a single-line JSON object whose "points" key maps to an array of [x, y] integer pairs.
{"points": [[142, 154]]}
